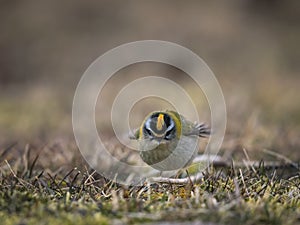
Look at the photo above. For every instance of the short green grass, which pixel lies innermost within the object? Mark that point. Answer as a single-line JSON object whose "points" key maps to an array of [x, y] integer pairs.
{"points": [[33, 194]]}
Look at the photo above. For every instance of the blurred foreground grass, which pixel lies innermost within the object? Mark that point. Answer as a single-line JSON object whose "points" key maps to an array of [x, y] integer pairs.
{"points": [[34, 194]]}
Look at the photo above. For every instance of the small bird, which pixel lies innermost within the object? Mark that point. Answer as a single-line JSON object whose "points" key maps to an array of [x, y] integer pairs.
{"points": [[168, 141]]}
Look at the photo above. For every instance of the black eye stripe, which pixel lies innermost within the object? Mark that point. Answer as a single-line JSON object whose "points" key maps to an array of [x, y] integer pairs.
{"points": [[168, 132], [148, 131], [171, 126], [167, 120]]}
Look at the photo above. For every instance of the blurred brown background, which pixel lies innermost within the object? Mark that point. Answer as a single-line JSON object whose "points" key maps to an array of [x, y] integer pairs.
{"points": [[252, 47]]}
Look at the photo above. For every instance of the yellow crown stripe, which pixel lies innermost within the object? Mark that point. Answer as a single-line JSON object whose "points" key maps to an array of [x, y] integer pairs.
{"points": [[160, 122]]}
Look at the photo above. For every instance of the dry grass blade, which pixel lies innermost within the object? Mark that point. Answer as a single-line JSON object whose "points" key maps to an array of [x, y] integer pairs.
{"points": [[32, 165], [6, 150], [65, 177], [280, 156]]}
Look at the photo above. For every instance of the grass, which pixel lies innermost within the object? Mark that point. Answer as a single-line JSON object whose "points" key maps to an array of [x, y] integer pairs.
{"points": [[48, 182], [34, 194]]}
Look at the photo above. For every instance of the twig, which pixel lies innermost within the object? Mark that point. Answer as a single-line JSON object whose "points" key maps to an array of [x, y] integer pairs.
{"points": [[279, 156], [185, 180]]}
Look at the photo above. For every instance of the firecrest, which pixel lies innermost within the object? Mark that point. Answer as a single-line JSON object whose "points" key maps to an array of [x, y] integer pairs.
{"points": [[168, 141]]}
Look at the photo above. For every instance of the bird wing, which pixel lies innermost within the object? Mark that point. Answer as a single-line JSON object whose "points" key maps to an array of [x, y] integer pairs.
{"points": [[198, 129]]}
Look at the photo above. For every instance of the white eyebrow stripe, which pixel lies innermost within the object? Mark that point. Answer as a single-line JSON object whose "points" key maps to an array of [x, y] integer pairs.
{"points": [[147, 124]]}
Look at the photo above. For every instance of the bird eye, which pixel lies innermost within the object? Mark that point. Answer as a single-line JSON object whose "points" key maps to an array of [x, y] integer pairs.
{"points": [[169, 134], [148, 131]]}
